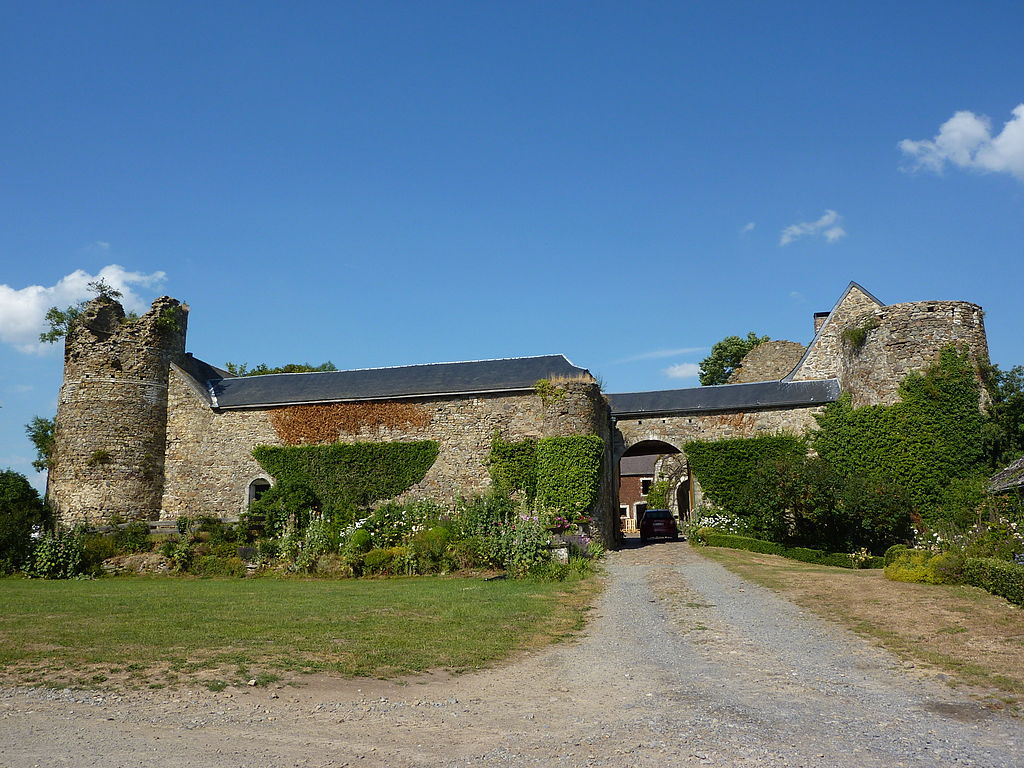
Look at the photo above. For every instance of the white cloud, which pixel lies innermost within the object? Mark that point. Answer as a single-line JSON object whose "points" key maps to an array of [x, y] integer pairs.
{"points": [[748, 227], [658, 354], [23, 311], [966, 141], [682, 371], [827, 226]]}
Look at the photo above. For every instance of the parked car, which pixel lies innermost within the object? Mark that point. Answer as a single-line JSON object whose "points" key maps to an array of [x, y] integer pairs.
{"points": [[658, 523]]}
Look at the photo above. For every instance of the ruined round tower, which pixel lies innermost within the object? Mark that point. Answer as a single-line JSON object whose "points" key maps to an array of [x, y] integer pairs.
{"points": [[112, 413]]}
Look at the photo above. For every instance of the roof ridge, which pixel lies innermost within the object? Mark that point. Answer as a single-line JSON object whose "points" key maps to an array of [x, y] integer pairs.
{"points": [[706, 387], [414, 365]]}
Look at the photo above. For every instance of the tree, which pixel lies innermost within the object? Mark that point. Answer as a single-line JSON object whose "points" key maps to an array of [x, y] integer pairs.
{"points": [[61, 321], [725, 358], [1004, 428], [22, 512], [40, 432], [242, 369]]}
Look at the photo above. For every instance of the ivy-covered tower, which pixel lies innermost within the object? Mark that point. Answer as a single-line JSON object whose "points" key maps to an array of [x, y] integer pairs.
{"points": [[112, 412]]}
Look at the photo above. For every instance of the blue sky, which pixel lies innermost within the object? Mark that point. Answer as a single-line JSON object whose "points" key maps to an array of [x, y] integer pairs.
{"points": [[391, 183]]}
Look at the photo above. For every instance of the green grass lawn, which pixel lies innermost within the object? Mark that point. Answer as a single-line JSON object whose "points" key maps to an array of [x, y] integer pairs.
{"points": [[138, 632]]}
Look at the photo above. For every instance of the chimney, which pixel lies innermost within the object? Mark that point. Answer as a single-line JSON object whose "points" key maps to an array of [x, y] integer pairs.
{"points": [[819, 320]]}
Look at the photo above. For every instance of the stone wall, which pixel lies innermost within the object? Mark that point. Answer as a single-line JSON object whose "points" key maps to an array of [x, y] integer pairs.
{"points": [[825, 353], [901, 338], [768, 361], [209, 463], [678, 429], [111, 412]]}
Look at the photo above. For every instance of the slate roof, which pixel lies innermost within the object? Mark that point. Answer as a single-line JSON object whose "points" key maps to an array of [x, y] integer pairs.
{"points": [[638, 465], [434, 379], [1009, 478], [726, 397]]}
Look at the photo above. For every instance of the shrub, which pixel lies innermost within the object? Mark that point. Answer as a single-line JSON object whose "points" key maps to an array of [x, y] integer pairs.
{"points": [[996, 576], [133, 537], [523, 542], [97, 547], [391, 561], [948, 567], [893, 552], [284, 502], [22, 513], [212, 565], [268, 549], [470, 552], [920, 566], [390, 524], [57, 555], [359, 542], [180, 554], [320, 539], [430, 549], [334, 565], [483, 515]]}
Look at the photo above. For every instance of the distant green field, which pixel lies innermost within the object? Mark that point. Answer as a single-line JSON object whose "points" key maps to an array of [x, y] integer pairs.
{"points": [[136, 632]]}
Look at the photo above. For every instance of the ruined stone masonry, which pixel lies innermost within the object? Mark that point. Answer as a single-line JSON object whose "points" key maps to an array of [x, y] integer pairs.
{"points": [[145, 431]]}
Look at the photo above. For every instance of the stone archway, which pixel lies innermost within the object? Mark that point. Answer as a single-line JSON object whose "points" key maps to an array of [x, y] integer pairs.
{"points": [[641, 464]]}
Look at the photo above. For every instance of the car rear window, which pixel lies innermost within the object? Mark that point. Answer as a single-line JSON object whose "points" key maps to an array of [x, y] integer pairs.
{"points": [[658, 514]]}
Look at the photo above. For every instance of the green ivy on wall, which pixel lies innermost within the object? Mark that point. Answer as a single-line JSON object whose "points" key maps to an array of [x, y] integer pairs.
{"points": [[348, 476], [569, 472], [723, 467], [513, 466], [933, 434], [657, 495], [560, 473]]}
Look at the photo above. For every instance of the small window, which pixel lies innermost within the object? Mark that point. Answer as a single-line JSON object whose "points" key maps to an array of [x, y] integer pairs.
{"points": [[623, 510], [645, 486], [257, 488]]}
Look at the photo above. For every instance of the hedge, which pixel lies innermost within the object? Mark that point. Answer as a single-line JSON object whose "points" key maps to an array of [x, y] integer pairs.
{"points": [[1000, 577], [712, 538], [346, 476], [724, 466], [920, 566]]}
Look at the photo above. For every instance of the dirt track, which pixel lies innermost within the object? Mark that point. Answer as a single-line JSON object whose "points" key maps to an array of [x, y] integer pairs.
{"points": [[742, 678]]}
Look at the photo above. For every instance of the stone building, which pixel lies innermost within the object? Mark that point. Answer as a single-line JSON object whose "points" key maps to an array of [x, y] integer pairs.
{"points": [[145, 430], [860, 347]]}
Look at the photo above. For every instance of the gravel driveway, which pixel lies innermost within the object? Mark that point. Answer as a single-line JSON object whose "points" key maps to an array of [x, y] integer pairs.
{"points": [[683, 664]]}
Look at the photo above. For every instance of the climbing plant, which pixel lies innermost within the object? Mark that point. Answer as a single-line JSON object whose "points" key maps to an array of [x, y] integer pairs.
{"points": [[569, 472], [513, 466], [934, 433], [657, 495], [348, 476], [723, 467]]}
